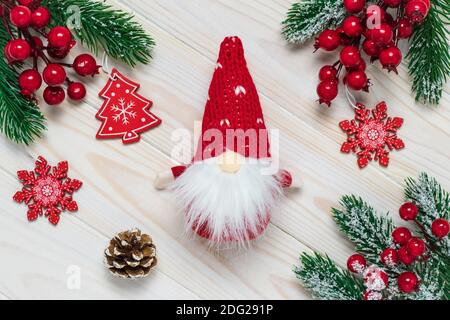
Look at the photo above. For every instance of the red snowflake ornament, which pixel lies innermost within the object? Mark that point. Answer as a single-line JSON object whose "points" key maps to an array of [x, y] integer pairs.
{"points": [[124, 113], [370, 133], [47, 188]]}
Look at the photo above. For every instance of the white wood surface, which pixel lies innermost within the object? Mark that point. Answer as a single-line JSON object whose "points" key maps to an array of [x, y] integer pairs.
{"points": [[117, 193]]}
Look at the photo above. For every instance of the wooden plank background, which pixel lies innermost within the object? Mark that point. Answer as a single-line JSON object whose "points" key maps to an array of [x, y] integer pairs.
{"points": [[118, 193]]}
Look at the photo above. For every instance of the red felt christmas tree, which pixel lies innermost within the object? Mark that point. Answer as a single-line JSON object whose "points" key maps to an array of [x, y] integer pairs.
{"points": [[124, 113]]}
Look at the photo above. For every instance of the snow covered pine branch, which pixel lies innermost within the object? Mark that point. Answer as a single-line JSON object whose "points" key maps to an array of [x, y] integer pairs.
{"points": [[391, 262]]}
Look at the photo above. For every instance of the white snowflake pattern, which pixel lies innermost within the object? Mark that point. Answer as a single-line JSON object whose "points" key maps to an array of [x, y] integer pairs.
{"points": [[124, 111]]}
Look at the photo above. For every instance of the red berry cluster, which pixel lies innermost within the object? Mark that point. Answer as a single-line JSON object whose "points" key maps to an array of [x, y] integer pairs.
{"points": [[408, 249], [375, 279], [372, 29], [31, 20]]}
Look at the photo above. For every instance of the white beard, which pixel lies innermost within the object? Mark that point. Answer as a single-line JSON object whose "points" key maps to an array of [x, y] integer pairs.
{"points": [[235, 206]]}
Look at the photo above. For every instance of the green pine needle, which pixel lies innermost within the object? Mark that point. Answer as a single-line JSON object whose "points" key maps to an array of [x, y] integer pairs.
{"points": [[370, 232], [102, 26], [429, 56], [20, 119], [433, 203], [310, 17], [326, 280]]}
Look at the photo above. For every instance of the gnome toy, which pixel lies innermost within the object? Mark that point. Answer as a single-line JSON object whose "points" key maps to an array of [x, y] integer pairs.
{"points": [[228, 190]]}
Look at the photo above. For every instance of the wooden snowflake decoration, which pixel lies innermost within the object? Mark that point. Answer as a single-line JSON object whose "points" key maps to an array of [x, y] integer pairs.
{"points": [[47, 188], [372, 134]]}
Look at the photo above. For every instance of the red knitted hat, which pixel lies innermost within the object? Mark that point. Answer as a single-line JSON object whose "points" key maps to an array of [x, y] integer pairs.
{"points": [[233, 103]]}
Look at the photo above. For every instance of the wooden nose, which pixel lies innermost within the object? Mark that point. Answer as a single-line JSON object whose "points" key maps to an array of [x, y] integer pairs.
{"points": [[229, 162]]}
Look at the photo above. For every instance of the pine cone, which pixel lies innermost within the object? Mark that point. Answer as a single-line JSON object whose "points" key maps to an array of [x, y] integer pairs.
{"points": [[131, 254]]}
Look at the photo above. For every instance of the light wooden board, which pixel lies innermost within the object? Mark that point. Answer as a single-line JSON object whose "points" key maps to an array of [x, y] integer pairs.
{"points": [[118, 193]]}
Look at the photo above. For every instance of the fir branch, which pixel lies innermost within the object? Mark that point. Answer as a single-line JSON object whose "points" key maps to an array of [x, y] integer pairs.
{"points": [[433, 203], [310, 17], [371, 233], [428, 56], [326, 280], [431, 284], [20, 119], [102, 26]]}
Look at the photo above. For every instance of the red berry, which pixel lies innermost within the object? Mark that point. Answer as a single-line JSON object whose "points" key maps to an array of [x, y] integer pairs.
{"points": [[408, 211], [354, 6], [401, 235], [416, 10], [374, 16], [54, 74], [375, 278], [29, 81], [382, 35], [352, 26], [357, 80], [17, 50], [416, 247], [405, 29], [440, 228], [20, 16], [371, 48], [328, 40], [350, 56], [85, 65], [25, 2], [372, 295], [389, 257], [59, 37], [40, 17], [392, 3], [356, 263], [390, 58], [58, 53], [407, 282], [76, 91], [54, 95], [327, 91], [327, 72], [404, 256]]}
